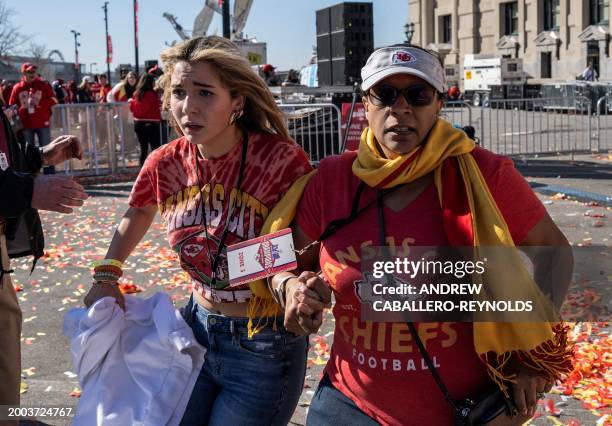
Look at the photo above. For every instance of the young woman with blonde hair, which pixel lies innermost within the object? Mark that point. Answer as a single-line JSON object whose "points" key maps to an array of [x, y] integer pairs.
{"points": [[215, 186]]}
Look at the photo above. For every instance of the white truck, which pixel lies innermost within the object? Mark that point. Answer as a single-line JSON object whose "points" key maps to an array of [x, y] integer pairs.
{"points": [[480, 72]]}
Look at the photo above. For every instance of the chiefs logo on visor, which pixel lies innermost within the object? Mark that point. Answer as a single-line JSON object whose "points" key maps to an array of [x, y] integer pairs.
{"points": [[402, 57]]}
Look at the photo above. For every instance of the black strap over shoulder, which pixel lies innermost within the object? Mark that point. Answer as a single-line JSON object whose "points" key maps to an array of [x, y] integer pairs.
{"points": [[411, 327]]}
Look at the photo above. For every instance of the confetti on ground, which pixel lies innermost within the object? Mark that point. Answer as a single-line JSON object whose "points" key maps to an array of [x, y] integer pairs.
{"points": [[591, 379], [29, 372], [73, 242], [129, 288]]}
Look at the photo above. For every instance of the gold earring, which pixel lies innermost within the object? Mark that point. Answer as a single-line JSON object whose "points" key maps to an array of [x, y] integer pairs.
{"points": [[235, 117]]}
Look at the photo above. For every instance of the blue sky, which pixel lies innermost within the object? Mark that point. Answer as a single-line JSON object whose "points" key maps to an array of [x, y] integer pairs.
{"points": [[288, 26]]}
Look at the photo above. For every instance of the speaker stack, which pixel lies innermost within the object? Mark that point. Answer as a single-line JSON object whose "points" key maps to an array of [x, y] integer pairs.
{"points": [[345, 39]]}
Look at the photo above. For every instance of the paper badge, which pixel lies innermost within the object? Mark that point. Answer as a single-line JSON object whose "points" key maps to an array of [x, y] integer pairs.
{"points": [[261, 257]]}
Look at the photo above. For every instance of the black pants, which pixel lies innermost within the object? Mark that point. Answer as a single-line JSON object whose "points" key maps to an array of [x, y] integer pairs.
{"points": [[149, 134]]}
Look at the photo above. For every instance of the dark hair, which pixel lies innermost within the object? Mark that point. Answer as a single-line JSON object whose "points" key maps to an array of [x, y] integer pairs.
{"points": [[145, 84]]}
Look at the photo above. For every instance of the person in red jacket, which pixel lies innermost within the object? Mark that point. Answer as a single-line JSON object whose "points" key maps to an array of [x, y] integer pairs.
{"points": [[145, 107], [34, 98]]}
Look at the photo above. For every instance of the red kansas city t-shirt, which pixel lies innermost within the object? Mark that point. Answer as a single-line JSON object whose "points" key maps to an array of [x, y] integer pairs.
{"points": [[377, 365], [169, 179]]}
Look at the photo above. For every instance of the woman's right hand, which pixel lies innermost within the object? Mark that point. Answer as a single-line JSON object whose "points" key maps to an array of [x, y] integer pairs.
{"points": [[100, 290], [306, 296]]}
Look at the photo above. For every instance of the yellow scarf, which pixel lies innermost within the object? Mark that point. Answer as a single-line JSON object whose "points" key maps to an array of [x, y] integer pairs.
{"points": [[261, 304], [539, 344]]}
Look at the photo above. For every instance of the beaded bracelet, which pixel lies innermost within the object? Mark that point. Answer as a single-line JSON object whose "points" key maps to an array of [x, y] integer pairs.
{"points": [[106, 283], [106, 277], [109, 268], [105, 262]]}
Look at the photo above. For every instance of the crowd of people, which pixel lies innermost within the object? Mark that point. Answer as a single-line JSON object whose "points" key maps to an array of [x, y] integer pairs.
{"points": [[235, 174], [28, 103]]}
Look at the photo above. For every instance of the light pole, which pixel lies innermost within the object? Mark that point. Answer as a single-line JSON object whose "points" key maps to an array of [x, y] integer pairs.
{"points": [[91, 67], [136, 35], [409, 31], [77, 67]]}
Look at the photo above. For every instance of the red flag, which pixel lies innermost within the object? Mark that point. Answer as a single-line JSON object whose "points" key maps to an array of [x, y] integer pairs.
{"points": [[109, 42], [136, 23]]}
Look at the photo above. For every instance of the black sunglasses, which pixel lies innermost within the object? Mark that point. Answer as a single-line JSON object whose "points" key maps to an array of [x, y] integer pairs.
{"points": [[417, 95]]}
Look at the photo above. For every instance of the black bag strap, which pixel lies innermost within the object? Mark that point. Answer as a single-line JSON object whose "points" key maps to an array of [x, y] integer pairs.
{"points": [[411, 327], [337, 224]]}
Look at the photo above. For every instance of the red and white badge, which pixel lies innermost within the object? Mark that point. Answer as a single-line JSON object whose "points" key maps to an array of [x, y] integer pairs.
{"points": [[261, 257]]}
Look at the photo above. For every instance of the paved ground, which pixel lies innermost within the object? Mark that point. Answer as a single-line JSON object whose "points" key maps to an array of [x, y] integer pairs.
{"points": [[62, 278]]}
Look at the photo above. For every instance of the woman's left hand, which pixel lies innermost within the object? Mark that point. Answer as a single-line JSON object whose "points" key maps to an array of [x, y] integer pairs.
{"points": [[529, 387]]}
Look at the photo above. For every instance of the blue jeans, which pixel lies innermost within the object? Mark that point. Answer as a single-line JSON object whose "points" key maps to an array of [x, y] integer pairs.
{"points": [[44, 138], [244, 382], [329, 406]]}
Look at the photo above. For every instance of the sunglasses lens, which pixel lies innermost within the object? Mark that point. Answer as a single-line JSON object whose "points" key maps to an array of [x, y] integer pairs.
{"points": [[388, 95], [418, 95]]}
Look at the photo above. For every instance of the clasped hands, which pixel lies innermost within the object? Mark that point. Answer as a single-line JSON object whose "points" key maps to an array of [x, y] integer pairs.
{"points": [[306, 296]]}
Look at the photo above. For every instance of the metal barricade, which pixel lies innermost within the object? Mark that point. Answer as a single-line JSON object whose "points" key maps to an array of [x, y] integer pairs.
{"points": [[538, 126], [458, 113], [603, 132], [315, 127], [519, 127], [106, 132]]}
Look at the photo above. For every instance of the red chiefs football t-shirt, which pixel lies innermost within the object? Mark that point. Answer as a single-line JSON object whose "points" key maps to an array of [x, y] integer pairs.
{"points": [[169, 179], [375, 364]]}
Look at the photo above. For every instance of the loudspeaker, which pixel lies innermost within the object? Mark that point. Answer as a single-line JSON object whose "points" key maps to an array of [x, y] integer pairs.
{"points": [[345, 36], [324, 72]]}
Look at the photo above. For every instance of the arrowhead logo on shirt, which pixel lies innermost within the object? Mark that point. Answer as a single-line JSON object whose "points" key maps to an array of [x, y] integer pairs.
{"points": [[365, 293]]}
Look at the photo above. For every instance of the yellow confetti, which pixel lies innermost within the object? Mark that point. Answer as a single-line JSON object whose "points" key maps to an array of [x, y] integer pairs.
{"points": [[29, 371]]}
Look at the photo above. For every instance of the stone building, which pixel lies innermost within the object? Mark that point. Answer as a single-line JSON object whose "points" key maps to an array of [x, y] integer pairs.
{"points": [[555, 38]]}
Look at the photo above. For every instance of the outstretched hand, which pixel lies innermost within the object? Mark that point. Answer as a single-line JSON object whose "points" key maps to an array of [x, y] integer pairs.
{"points": [[61, 149]]}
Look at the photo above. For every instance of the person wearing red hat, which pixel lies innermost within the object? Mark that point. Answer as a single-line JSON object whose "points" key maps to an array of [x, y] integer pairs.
{"points": [[34, 98], [270, 75]]}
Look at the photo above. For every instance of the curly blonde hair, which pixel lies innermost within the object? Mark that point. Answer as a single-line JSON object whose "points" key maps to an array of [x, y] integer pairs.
{"points": [[260, 112]]}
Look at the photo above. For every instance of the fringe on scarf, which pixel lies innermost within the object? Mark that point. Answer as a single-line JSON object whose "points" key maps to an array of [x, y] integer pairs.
{"points": [[260, 312], [552, 358]]}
